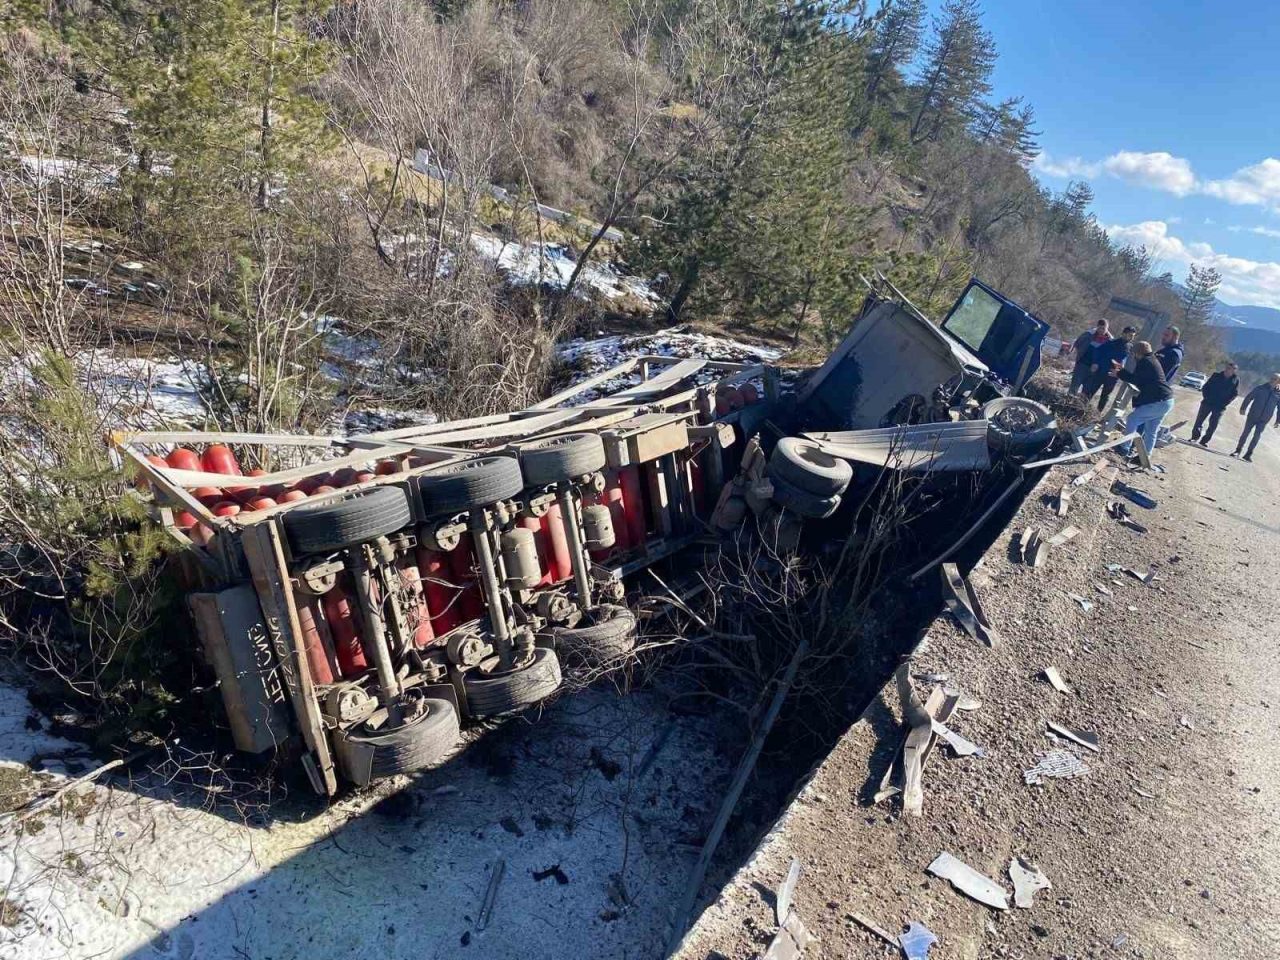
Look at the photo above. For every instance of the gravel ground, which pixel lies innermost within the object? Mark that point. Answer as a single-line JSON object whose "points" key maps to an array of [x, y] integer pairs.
{"points": [[1169, 846]]}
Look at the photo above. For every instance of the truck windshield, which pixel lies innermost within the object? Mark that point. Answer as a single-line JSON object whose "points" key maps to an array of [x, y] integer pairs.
{"points": [[971, 320]]}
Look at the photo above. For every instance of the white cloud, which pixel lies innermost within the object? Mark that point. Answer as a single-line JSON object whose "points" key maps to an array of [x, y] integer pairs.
{"points": [[1159, 171], [1260, 231], [1258, 185], [1243, 281], [1065, 167]]}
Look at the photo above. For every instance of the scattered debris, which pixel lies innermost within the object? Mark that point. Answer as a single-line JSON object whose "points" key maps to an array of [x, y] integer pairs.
{"points": [[966, 702], [1148, 578], [1085, 738], [1085, 477], [1055, 678], [1140, 497], [1063, 503], [1199, 646], [933, 677], [1186, 722], [1118, 511], [782, 905], [1085, 605], [963, 604], [916, 941], [1027, 880], [1026, 544], [962, 746], [1081, 454], [1058, 539], [1055, 765], [790, 941], [491, 893], [1103, 589], [969, 881], [872, 927], [1142, 793]]}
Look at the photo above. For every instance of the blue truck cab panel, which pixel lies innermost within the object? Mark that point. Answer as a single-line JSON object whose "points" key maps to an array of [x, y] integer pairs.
{"points": [[1004, 336]]}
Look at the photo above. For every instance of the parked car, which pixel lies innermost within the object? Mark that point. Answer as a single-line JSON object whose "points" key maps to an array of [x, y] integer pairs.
{"points": [[1195, 379], [372, 593]]}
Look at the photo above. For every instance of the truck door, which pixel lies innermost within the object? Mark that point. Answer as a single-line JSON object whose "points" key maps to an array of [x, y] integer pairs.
{"points": [[998, 331]]}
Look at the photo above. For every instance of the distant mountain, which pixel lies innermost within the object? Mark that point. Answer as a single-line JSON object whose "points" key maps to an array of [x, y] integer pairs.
{"points": [[1266, 318], [1251, 339]]}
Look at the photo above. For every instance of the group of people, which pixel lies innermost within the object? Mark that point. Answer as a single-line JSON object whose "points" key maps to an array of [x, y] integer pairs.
{"points": [[1102, 361]]}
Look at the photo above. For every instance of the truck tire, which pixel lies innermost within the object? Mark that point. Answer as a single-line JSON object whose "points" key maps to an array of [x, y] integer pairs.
{"points": [[608, 637], [561, 458], [806, 467], [803, 502], [426, 739], [1018, 427], [325, 527], [478, 482], [495, 694]]}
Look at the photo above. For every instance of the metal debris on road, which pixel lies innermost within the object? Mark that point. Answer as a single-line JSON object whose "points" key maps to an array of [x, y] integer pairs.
{"points": [[1027, 880], [1103, 589], [1118, 511], [933, 677], [916, 941], [1026, 544], [491, 893], [1055, 678], [962, 746], [1085, 605], [1058, 539], [872, 927], [1055, 765], [790, 941], [967, 702], [1133, 494], [1148, 578], [1142, 793], [1186, 722], [965, 607], [782, 905], [969, 881], [1086, 738]]}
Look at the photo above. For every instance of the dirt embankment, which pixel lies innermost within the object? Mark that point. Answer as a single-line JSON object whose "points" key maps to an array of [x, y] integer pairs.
{"points": [[1169, 845]]}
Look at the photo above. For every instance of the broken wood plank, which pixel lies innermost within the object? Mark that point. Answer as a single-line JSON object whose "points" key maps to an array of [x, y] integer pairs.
{"points": [[491, 893], [1058, 539], [872, 927]]}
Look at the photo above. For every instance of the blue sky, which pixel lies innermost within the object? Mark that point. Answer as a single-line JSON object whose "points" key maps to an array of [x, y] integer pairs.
{"points": [[1171, 111]]}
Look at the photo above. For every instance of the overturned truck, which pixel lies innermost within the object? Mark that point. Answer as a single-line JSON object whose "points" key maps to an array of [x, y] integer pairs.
{"points": [[360, 598]]}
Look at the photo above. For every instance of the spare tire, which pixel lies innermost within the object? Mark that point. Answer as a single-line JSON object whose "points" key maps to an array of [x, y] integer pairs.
{"points": [[556, 459], [479, 482], [509, 691], [607, 637], [1019, 427], [329, 526], [805, 466], [426, 739], [803, 502]]}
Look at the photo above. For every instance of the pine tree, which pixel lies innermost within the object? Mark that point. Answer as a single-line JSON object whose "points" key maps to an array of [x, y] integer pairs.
{"points": [[956, 78], [1200, 295], [894, 45], [1009, 126]]}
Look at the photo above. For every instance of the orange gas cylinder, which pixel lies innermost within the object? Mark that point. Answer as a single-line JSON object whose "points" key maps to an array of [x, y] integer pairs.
{"points": [[344, 628], [558, 544], [433, 571], [419, 613], [633, 504], [613, 499], [461, 566], [323, 488], [289, 496], [319, 658], [141, 481], [226, 509], [184, 520], [180, 458], [208, 495], [260, 503]]}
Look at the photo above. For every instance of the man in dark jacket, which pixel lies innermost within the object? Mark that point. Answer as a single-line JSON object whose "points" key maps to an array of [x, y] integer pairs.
{"points": [[1260, 405], [1170, 352], [1105, 357], [1154, 399], [1083, 349], [1217, 393]]}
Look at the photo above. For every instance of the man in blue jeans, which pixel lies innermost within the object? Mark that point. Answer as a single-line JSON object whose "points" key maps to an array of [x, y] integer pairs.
{"points": [[1154, 399]]}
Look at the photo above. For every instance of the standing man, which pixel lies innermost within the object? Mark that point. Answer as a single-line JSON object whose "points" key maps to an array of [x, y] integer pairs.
{"points": [[1154, 399], [1260, 405], [1170, 352], [1217, 393], [1083, 347], [1103, 361]]}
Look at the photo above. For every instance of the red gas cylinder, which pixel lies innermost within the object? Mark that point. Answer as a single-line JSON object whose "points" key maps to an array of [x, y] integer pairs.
{"points": [[141, 481], [420, 614], [313, 638], [344, 477], [184, 520], [558, 543], [260, 503], [323, 488], [749, 393], [345, 629], [613, 499], [180, 458], [218, 458], [226, 509], [462, 567], [289, 496], [728, 399], [386, 467], [545, 560], [697, 487], [433, 571], [364, 476], [208, 495], [633, 504]]}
